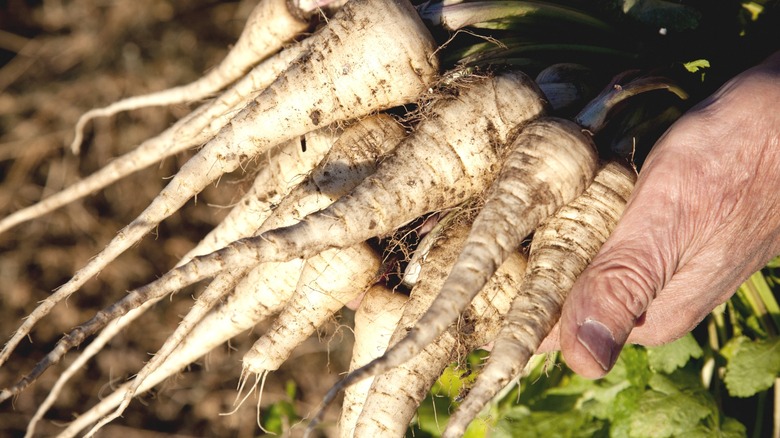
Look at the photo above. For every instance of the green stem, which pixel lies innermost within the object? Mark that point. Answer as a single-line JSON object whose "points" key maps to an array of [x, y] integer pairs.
{"points": [[760, 409], [495, 52], [756, 292], [490, 14], [596, 114]]}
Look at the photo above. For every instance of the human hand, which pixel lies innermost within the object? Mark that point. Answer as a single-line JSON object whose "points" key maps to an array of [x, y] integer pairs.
{"points": [[704, 216]]}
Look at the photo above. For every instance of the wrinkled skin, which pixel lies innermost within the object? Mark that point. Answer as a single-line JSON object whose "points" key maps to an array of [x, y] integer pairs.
{"points": [[703, 217]]}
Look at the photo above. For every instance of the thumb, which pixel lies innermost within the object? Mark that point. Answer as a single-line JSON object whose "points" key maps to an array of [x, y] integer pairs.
{"points": [[611, 296]]}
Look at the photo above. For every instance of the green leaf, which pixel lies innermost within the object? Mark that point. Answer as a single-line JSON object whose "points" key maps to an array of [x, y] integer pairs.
{"points": [[694, 66], [478, 429], [291, 389], [632, 366], [622, 409], [669, 357], [450, 383], [753, 366], [754, 9], [432, 416], [665, 414], [279, 416], [732, 428], [522, 422], [601, 400]]}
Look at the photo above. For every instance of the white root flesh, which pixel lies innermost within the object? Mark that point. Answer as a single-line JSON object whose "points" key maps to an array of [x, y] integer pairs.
{"points": [[262, 293], [190, 131], [328, 282], [380, 204], [284, 170]]}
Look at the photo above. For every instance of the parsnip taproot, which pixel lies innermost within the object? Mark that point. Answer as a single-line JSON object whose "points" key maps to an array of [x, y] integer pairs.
{"points": [[262, 290], [327, 282], [270, 25], [551, 162], [395, 395], [353, 157], [443, 222], [561, 249], [375, 320], [342, 77]]}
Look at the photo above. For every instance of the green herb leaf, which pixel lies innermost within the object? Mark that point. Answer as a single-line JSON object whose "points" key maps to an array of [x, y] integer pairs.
{"points": [[521, 422], [632, 366], [753, 366], [669, 357], [669, 412]]}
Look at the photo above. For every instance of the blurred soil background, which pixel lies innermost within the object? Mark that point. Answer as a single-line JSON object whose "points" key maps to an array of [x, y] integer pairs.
{"points": [[59, 59]]}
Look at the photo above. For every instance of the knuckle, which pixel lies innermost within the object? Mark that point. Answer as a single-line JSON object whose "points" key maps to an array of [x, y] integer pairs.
{"points": [[625, 285]]}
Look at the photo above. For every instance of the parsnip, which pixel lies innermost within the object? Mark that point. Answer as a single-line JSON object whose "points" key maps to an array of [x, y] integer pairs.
{"points": [[262, 293], [375, 320], [285, 170], [420, 255], [190, 131], [327, 283], [418, 178], [561, 249], [379, 204], [318, 89]]}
